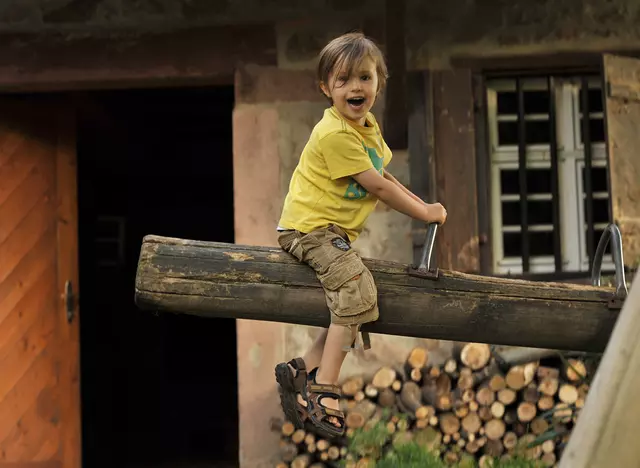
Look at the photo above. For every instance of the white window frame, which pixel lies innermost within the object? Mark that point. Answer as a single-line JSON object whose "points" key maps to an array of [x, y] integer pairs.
{"points": [[570, 162]]}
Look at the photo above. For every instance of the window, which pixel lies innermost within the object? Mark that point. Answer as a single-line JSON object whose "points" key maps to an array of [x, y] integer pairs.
{"points": [[109, 241], [542, 200]]}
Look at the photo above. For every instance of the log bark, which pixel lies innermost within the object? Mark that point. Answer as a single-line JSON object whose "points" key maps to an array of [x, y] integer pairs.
{"points": [[607, 431], [221, 280]]}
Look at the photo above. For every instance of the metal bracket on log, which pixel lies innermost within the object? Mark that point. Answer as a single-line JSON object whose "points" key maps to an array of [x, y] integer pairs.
{"points": [[611, 235], [423, 270]]}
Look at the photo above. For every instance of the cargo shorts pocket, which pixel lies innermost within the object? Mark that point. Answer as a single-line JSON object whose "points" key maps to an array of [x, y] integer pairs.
{"points": [[349, 287], [290, 242]]}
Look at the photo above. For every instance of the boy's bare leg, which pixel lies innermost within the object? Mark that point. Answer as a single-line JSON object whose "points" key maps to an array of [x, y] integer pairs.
{"points": [[331, 363], [313, 356]]}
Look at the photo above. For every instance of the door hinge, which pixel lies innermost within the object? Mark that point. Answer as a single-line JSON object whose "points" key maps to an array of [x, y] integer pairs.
{"points": [[70, 301]]}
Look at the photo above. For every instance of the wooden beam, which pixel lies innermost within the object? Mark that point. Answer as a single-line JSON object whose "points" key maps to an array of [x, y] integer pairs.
{"points": [[455, 161], [607, 429], [199, 56], [395, 111], [622, 118], [421, 148], [259, 283]]}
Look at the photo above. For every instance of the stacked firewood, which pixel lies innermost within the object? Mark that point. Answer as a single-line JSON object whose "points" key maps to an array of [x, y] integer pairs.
{"points": [[480, 404]]}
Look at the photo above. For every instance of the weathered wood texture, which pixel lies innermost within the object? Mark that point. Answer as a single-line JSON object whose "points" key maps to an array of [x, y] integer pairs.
{"points": [[607, 434], [39, 387], [173, 57], [622, 101], [456, 170], [260, 283]]}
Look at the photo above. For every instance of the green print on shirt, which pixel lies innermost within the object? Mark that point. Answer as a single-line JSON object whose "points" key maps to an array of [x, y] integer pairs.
{"points": [[355, 191]]}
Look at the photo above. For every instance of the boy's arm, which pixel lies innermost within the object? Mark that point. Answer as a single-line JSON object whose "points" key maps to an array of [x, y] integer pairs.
{"points": [[398, 199], [388, 176]]}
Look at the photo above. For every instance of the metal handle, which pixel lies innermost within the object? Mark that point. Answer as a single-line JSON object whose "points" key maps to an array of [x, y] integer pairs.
{"points": [[610, 234], [427, 250]]}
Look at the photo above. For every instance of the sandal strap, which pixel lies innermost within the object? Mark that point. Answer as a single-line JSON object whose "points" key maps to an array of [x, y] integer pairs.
{"points": [[321, 412], [325, 389], [299, 364], [334, 412], [300, 379]]}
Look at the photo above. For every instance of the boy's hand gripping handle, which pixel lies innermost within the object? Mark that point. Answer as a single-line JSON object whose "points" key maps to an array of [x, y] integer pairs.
{"points": [[424, 268]]}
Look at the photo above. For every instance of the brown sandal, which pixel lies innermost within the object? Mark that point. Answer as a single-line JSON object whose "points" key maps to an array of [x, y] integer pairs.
{"points": [[290, 386], [319, 414]]}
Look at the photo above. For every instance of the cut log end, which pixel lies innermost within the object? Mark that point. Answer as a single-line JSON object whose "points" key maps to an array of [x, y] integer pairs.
{"points": [[418, 358], [475, 355], [384, 377]]}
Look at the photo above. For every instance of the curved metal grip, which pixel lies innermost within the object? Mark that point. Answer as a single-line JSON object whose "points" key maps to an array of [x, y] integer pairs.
{"points": [[611, 233], [427, 250]]}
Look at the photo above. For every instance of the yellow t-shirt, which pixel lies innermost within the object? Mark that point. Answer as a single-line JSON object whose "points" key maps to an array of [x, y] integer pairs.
{"points": [[321, 192]]}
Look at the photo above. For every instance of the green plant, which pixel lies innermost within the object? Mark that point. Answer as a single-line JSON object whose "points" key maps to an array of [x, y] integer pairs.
{"points": [[516, 462], [410, 455], [384, 450], [369, 442]]}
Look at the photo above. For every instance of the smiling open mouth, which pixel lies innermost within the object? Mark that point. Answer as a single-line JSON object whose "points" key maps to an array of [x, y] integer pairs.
{"points": [[356, 102]]}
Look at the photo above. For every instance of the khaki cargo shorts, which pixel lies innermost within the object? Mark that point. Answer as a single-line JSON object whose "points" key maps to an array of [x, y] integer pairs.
{"points": [[350, 290]]}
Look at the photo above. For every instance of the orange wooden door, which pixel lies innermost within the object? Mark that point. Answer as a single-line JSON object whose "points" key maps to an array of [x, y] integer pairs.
{"points": [[39, 346]]}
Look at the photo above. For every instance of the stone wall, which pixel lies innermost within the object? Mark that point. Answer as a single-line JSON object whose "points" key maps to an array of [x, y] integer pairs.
{"points": [[276, 110]]}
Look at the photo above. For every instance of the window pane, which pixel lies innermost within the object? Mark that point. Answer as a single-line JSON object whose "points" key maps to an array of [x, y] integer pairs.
{"points": [[507, 133], [536, 132], [538, 181], [538, 212], [596, 131], [600, 210], [511, 213], [540, 243], [595, 100], [598, 179], [509, 183], [535, 102], [507, 102], [511, 244]]}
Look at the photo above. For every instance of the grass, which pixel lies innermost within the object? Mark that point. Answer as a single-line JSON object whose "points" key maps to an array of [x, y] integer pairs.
{"points": [[384, 450]]}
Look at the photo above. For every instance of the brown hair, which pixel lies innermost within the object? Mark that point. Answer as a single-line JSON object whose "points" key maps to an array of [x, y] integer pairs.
{"points": [[350, 49]]}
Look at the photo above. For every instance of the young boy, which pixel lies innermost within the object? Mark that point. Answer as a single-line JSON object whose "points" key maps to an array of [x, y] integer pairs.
{"points": [[338, 181]]}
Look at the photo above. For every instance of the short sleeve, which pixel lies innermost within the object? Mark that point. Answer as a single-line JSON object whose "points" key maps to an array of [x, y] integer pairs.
{"points": [[344, 154]]}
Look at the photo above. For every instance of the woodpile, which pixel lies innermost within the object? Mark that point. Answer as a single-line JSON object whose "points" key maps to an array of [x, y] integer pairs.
{"points": [[478, 405]]}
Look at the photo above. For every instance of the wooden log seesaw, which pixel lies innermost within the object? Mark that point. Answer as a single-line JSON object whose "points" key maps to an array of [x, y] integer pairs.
{"points": [[221, 280]]}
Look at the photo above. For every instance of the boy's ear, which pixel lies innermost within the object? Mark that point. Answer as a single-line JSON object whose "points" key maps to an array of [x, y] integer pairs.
{"points": [[324, 89]]}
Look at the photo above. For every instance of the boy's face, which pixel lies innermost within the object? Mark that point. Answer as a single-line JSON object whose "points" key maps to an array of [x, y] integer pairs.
{"points": [[354, 95]]}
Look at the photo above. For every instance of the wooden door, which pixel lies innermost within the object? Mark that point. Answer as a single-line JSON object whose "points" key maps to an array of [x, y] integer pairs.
{"points": [[39, 374], [622, 109]]}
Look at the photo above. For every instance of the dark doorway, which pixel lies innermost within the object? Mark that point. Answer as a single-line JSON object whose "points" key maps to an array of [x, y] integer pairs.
{"points": [[157, 390]]}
